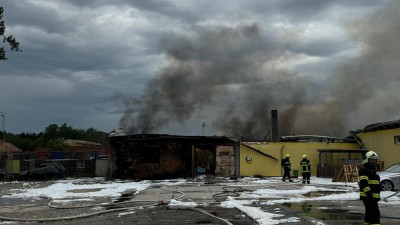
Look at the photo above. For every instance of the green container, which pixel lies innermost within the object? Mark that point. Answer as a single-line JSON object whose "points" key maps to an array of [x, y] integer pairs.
{"points": [[295, 173]]}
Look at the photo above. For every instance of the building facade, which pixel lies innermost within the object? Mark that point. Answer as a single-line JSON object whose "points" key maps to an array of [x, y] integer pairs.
{"points": [[253, 163], [383, 138], [159, 156]]}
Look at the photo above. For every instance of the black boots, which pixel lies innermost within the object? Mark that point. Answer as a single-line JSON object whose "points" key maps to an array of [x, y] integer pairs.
{"points": [[284, 179]]}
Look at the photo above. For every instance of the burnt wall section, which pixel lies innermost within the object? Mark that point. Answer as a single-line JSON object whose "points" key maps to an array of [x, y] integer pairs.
{"points": [[169, 156], [204, 156]]}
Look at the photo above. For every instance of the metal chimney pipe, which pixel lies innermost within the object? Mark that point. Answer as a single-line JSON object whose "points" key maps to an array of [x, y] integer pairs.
{"points": [[274, 120]]}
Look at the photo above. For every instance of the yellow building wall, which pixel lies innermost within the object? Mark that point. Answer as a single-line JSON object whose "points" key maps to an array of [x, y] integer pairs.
{"points": [[261, 165], [382, 142]]}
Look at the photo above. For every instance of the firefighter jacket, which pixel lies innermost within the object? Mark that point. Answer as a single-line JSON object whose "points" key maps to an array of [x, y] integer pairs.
{"points": [[305, 166], [370, 188], [286, 163]]}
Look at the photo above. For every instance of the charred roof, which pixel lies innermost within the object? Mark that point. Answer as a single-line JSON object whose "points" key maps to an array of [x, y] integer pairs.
{"points": [[382, 126], [175, 138], [315, 138]]}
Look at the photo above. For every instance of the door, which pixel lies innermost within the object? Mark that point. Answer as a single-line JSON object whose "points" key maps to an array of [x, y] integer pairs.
{"points": [[225, 161]]}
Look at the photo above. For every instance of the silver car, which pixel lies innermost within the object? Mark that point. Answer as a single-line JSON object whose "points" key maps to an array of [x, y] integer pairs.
{"points": [[390, 178]]}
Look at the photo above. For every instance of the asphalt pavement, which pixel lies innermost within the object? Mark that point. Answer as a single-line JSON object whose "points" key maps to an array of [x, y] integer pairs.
{"points": [[151, 207]]}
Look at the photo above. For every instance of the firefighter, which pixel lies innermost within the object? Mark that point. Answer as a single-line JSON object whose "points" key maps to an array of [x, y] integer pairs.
{"points": [[286, 168], [305, 169], [370, 188]]}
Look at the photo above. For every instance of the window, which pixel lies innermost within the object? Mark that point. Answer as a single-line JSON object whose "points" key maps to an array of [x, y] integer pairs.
{"points": [[397, 140]]}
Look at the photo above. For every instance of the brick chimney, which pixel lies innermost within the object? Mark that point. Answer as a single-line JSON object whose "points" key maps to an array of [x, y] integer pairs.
{"points": [[274, 120]]}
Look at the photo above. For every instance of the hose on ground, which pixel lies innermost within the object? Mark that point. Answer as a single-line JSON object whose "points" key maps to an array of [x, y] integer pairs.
{"points": [[155, 203], [233, 193], [385, 199], [206, 213], [74, 217]]}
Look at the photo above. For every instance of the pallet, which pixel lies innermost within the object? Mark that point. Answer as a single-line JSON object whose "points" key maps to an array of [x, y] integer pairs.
{"points": [[348, 174]]}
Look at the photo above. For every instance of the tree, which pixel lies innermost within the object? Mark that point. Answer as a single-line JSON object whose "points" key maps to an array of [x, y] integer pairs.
{"points": [[96, 136], [57, 145], [53, 137], [65, 131], [10, 40], [51, 132]]}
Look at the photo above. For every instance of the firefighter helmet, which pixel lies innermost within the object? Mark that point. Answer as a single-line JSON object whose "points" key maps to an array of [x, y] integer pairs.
{"points": [[304, 156], [287, 155], [371, 155]]}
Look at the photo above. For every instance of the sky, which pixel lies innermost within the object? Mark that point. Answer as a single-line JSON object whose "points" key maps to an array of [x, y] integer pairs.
{"points": [[67, 191], [161, 66]]}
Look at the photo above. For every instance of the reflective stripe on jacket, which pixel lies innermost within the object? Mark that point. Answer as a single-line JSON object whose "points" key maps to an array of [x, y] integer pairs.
{"points": [[369, 183], [305, 166], [286, 163]]}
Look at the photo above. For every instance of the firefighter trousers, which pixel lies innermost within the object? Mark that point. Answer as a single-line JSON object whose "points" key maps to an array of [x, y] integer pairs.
{"points": [[306, 177], [372, 213], [286, 173]]}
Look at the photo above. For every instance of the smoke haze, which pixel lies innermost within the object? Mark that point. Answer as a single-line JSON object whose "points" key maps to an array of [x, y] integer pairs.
{"points": [[235, 75]]}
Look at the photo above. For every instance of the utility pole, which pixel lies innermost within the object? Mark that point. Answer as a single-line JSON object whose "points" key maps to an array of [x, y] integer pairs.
{"points": [[3, 114]]}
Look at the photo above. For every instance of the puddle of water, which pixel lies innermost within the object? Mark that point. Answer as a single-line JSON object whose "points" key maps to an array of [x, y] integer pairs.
{"points": [[323, 212], [203, 222], [12, 201], [314, 194], [21, 201], [84, 190]]}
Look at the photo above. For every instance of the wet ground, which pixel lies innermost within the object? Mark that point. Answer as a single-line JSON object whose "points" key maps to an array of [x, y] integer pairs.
{"points": [[139, 209]]}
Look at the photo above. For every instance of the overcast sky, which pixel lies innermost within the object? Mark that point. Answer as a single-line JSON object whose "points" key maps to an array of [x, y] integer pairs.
{"points": [[159, 66]]}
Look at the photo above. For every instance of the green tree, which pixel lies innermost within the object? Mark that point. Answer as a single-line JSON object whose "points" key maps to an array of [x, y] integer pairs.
{"points": [[40, 141], [65, 131], [10, 40], [52, 136], [57, 145], [51, 133], [96, 136]]}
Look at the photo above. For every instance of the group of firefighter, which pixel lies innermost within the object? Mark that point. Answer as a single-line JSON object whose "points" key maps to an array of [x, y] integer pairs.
{"points": [[305, 169], [369, 183]]}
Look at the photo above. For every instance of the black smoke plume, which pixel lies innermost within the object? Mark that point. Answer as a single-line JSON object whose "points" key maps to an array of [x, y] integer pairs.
{"points": [[237, 75]]}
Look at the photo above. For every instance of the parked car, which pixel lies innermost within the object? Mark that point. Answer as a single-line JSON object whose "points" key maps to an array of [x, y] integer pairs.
{"points": [[46, 171], [390, 178]]}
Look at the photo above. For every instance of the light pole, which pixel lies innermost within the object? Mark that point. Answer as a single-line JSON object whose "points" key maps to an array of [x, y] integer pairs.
{"points": [[3, 114]]}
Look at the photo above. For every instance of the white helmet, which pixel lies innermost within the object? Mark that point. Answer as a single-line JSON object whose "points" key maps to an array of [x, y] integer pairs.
{"points": [[371, 155]]}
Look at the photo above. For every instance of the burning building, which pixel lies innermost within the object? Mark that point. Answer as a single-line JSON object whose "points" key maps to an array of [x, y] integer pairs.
{"points": [[160, 156]]}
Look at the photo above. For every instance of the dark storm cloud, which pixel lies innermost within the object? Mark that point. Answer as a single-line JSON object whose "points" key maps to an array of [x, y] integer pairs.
{"points": [[67, 70], [63, 44], [47, 19], [322, 48], [151, 5], [167, 9], [306, 10], [184, 62]]}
